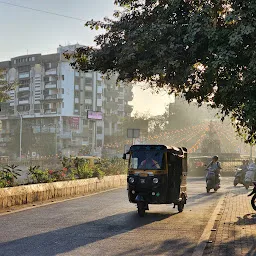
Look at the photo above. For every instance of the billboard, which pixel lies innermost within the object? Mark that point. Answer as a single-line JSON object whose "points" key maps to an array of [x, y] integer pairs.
{"points": [[74, 123], [94, 115]]}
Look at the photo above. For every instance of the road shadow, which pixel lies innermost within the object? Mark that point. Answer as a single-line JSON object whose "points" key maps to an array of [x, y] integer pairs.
{"points": [[247, 219], [177, 247], [67, 239], [234, 247]]}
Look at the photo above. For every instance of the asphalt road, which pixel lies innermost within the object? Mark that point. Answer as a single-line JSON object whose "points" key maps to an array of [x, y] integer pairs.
{"points": [[107, 224]]}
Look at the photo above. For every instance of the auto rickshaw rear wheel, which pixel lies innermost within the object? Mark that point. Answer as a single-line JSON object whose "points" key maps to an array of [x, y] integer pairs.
{"points": [[141, 209], [180, 206]]}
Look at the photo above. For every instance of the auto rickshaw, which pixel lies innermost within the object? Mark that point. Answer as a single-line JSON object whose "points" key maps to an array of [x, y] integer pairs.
{"points": [[157, 174]]}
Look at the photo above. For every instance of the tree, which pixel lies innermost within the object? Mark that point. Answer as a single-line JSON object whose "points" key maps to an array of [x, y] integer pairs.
{"points": [[4, 88], [202, 49]]}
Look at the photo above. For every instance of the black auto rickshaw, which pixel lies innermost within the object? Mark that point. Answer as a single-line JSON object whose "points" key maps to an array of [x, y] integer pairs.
{"points": [[156, 175]]}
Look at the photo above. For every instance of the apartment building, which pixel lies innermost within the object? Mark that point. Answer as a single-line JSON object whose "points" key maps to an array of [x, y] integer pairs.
{"points": [[54, 99]]}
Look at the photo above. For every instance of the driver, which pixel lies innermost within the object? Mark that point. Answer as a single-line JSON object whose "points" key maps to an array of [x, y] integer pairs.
{"points": [[214, 166], [149, 163]]}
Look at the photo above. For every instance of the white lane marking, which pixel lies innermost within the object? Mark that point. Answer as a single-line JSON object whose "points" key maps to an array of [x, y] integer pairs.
{"points": [[199, 250]]}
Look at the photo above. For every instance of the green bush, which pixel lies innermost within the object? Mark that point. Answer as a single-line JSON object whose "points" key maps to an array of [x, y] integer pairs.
{"points": [[37, 175], [84, 171], [97, 172], [114, 166], [9, 175]]}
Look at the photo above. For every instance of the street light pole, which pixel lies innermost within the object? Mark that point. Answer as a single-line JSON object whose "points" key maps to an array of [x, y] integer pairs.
{"points": [[20, 133]]}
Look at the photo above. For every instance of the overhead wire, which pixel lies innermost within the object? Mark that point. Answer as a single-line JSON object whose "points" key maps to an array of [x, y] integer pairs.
{"points": [[42, 11]]}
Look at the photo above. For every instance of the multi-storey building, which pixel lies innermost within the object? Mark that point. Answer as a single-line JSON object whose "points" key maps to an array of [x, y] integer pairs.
{"points": [[55, 99], [116, 107]]}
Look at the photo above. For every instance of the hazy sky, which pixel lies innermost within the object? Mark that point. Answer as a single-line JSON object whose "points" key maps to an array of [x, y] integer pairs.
{"points": [[24, 30]]}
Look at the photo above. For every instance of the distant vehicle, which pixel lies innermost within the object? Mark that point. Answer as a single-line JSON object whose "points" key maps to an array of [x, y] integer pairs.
{"points": [[157, 174], [197, 165], [239, 176], [91, 160]]}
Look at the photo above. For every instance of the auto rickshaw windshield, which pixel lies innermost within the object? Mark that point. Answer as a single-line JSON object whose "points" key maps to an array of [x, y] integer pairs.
{"points": [[147, 160]]}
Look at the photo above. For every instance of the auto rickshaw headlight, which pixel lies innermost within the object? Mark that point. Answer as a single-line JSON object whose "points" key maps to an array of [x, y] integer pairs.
{"points": [[131, 180], [155, 180]]}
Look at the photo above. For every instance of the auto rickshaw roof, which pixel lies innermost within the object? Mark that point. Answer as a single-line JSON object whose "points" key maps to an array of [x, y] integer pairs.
{"points": [[148, 147]]}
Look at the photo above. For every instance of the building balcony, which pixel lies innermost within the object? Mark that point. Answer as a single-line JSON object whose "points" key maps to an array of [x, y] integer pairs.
{"points": [[111, 93], [99, 89], [111, 118], [99, 103], [110, 105], [23, 89], [22, 102], [76, 100], [6, 132], [88, 88], [50, 111], [52, 98], [50, 72], [65, 135], [78, 135], [128, 109], [51, 85], [88, 101]]}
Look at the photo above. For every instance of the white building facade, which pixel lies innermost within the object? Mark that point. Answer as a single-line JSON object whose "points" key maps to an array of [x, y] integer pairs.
{"points": [[54, 98]]}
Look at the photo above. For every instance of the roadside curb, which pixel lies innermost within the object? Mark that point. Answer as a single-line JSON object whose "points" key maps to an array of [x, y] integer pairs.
{"points": [[45, 192], [42, 204], [204, 239]]}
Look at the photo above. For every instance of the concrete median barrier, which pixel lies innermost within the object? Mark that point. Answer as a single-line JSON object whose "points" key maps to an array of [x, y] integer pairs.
{"points": [[28, 194]]}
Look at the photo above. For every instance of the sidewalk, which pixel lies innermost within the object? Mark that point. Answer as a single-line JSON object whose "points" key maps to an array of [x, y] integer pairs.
{"points": [[234, 231]]}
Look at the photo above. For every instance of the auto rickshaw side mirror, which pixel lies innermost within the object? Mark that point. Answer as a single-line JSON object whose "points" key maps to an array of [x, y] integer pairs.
{"points": [[126, 156]]}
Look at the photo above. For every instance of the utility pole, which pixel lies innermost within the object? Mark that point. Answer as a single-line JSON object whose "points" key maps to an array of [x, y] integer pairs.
{"points": [[250, 152], [20, 133]]}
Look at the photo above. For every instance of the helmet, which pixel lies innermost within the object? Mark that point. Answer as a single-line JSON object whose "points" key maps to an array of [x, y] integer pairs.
{"points": [[215, 157]]}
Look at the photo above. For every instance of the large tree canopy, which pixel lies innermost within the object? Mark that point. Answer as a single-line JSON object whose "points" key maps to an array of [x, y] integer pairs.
{"points": [[202, 49]]}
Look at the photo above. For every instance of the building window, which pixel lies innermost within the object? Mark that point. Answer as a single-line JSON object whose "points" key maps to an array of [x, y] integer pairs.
{"points": [[88, 81], [88, 107], [106, 125], [98, 109], [120, 101], [99, 129], [14, 62], [85, 122], [98, 96], [62, 90], [77, 94], [99, 143], [62, 77], [62, 104], [33, 59], [24, 75], [120, 113]]}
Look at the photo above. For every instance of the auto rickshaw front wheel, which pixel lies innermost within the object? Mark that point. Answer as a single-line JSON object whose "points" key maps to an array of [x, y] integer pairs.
{"points": [[141, 209]]}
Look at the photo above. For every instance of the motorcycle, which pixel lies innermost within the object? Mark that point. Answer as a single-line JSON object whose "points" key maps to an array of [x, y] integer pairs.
{"points": [[211, 181], [253, 200], [249, 178], [239, 177]]}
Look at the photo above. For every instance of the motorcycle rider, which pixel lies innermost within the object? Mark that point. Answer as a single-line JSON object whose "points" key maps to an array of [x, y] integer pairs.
{"points": [[244, 168], [215, 167]]}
